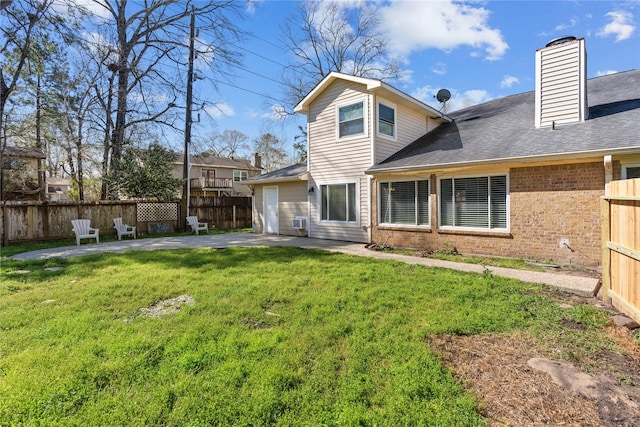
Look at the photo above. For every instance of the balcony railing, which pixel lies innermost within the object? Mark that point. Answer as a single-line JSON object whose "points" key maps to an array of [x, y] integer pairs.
{"points": [[211, 183]]}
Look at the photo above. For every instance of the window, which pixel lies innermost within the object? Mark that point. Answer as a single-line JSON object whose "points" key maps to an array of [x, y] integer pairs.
{"points": [[240, 175], [477, 202], [404, 202], [12, 164], [351, 120], [630, 171], [338, 202], [386, 120]]}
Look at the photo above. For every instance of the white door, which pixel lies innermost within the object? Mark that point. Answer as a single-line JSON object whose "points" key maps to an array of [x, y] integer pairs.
{"points": [[270, 195]]}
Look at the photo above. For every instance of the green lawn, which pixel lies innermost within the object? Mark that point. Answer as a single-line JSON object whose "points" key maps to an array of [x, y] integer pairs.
{"points": [[276, 336]]}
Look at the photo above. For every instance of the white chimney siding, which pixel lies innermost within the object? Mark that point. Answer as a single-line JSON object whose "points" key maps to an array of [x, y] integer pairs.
{"points": [[561, 84]]}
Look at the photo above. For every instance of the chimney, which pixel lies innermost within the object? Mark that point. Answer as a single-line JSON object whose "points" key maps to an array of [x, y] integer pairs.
{"points": [[561, 82], [257, 161]]}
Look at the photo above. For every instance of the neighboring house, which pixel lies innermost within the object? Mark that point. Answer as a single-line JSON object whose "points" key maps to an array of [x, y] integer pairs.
{"points": [[218, 176], [58, 189], [519, 176], [22, 173]]}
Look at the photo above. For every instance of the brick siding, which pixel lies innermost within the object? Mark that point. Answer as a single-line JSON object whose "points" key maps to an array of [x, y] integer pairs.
{"points": [[547, 204]]}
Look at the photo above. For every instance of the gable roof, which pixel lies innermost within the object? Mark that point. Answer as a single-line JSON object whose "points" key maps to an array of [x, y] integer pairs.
{"points": [[297, 172], [503, 130], [372, 85], [216, 161], [32, 153]]}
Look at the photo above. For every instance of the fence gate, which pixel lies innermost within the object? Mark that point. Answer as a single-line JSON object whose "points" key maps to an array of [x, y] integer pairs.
{"points": [[620, 212]]}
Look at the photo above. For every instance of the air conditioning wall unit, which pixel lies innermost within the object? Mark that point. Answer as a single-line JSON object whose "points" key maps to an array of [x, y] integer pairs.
{"points": [[299, 223]]}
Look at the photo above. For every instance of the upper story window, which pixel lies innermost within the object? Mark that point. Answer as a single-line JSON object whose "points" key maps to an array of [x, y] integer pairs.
{"points": [[630, 171], [474, 202], [386, 120], [239, 175], [351, 120], [404, 202]]}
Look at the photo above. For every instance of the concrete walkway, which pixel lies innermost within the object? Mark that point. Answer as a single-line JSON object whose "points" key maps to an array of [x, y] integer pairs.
{"points": [[585, 286]]}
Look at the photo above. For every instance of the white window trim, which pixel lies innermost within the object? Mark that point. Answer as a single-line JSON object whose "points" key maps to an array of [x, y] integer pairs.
{"points": [[395, 118], [484, 230], [393, 224], [624, 166], [365, 115], [319, 185], [240, 173]]}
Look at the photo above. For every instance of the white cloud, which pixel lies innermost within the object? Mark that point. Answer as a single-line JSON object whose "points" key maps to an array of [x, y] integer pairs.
{"points": [[605, 73], [621, 26], [458, 99], [91, 6], [572, 23], [509, 81], [439, 69], [220, 109], [450, 25], [251, 6]]}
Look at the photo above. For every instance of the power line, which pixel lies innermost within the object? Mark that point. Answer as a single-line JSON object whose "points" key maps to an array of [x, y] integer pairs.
{"points": [[250, 91]]}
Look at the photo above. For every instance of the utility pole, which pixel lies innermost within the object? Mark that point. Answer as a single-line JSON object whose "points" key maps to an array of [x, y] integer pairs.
{"points": [[187, 129]]}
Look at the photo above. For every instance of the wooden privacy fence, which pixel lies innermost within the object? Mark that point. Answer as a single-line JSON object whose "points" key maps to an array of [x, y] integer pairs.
{"points": [[621, 246], [37, 221], [223, 212]]}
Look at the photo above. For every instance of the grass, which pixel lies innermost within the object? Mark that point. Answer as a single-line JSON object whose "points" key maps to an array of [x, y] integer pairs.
{"points": [[16, 248], [277, 336]]}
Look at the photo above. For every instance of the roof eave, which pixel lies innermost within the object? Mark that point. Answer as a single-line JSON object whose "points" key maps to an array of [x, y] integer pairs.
{"points": [[302, 177], [522, 159]]}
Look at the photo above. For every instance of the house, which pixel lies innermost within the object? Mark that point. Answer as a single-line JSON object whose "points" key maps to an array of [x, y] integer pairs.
{"points": [[218, 176], [58, 189], [22, 173], [519, 176]]}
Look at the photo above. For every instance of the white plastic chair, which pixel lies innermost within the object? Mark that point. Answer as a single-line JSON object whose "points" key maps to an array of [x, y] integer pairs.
{"points": [[196, 226], [123, 229], [82, 229]]}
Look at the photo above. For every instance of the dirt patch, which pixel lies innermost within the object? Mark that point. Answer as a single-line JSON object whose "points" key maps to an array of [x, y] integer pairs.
{"points": [[167, 306], [518, 384]]}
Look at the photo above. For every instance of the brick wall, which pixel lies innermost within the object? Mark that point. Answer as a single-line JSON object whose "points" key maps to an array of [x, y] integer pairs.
{"points": [[547, 204]]}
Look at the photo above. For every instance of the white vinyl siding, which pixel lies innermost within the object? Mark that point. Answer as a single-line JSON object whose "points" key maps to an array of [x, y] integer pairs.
{"points": [[410, 125], [292, 203], [404, 203], [480, 202], [561, 87], [334, 161]]}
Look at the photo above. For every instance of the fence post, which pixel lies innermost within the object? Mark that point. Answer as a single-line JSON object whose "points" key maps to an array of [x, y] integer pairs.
{"points": [[605, 222]]}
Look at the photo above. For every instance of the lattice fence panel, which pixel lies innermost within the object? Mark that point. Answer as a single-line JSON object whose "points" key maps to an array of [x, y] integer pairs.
{"points": [[152, 212]]}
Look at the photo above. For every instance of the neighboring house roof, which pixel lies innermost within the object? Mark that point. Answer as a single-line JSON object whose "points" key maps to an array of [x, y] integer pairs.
{"points": [[372, 86], [53, 180], [503, 130], [12, 151], [297, 172], [216, 161]]}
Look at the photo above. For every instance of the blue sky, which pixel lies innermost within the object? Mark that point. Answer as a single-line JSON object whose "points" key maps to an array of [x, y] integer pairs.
{"points": [[479, 50]]}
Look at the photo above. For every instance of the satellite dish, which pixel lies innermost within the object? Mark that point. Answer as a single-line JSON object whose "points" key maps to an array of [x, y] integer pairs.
{"points": [[443, 95]]}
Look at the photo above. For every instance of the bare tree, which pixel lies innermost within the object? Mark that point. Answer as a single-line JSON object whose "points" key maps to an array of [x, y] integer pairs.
{"points": [[328, 36], [230, 143], [271, 150], [147, 38]]}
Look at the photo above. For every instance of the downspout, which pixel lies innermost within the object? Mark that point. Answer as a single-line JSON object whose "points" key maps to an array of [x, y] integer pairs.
{"points": [[608, 173], [373, 129]]}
